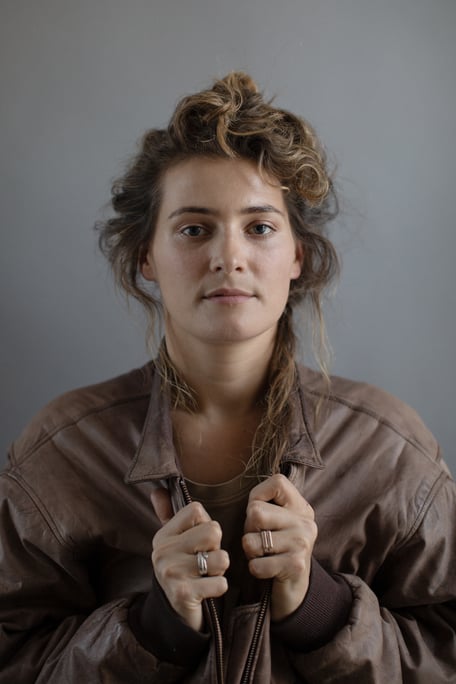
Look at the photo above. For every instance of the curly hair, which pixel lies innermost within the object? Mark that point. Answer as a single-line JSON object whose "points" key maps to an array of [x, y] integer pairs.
{"points": [[233, 120]]}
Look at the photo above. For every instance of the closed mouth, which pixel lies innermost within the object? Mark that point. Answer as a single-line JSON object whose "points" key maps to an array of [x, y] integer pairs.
{"points": [[227, 292]]}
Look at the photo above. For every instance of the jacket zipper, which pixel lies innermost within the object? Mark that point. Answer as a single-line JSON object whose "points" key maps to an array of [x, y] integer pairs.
{"points": [[256, 635], [265, 601], [210, 603], [255, 643]]}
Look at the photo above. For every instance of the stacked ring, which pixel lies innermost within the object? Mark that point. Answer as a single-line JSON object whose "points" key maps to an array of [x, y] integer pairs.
{"points": [[201, 559], [266, 540]]}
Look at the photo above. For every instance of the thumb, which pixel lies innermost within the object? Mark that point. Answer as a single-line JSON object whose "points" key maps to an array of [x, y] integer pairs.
{"points": [[161, 501]]}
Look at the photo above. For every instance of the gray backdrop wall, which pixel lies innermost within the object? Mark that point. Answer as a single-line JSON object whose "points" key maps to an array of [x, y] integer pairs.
{"points": [[80, 81]]}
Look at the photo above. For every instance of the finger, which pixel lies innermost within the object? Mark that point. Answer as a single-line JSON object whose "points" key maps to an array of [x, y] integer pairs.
{"points": [[281, 491], [267, 567], [290, 567], [217, 561], [171, 542], [192, 592], [206, 536], [261, 515], [253, 545], [289, 540], [211, 587], [161, 502], [190, 516], [180, 565], [187, 594]]}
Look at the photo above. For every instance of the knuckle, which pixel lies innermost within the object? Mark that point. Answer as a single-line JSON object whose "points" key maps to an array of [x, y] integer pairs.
{"points": [[250, 545], [158, 557], [255, 512], [306, 536], [214, 532], [310, 513], [220, 586], [164, 546], [246, 542], [224, 560], [182, 593], [157, 547], [167, 572], [157, 538], [298, 564], [254, 567], [280, 480], [197, 512], [313, 530]]}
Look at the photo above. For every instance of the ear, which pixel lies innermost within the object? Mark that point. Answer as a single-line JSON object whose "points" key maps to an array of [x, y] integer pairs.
{"points": [[296, 266], [146, 265]]}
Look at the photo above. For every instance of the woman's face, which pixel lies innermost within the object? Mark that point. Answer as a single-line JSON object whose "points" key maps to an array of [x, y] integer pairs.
{"points": [[222, 253]]}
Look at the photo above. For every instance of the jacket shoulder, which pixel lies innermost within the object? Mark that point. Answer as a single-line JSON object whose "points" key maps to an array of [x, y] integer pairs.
{"points": [[74, 406], [361, 401]]}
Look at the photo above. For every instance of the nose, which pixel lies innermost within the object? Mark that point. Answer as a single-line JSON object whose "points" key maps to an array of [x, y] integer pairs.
{"points": [[228, 253]]}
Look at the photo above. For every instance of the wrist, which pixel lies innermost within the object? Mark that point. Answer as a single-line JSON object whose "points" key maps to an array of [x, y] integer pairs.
{"points": [[163, 632], [323, 612], [287, 597]]}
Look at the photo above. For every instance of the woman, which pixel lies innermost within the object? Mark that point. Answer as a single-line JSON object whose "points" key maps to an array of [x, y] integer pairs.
{"points": [[301, 526]]}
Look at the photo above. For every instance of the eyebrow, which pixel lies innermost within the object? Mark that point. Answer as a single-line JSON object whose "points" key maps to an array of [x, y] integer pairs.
{"points": [[256, 209]]}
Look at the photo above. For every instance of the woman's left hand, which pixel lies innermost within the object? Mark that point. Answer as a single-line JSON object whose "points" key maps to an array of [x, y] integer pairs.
{"points": [[275, 505]]}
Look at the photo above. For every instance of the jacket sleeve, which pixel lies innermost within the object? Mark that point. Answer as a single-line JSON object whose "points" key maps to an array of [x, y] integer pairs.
{"points": [[52, 628], [403, 627]]}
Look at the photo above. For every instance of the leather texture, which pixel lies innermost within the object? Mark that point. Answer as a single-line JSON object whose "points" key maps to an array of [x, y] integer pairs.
{"points": [[77, 525]]}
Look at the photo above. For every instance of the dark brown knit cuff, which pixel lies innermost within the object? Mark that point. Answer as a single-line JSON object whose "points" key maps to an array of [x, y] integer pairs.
{"points": [[161, 631], [324, 611]]}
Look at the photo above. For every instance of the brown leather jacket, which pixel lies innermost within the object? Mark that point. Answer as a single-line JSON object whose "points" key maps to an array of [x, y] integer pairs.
{"points": [[76, 531]]}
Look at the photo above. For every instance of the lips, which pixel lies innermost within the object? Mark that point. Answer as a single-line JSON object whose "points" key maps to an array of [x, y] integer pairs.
{"points": [[228, 295], [227, 292]]}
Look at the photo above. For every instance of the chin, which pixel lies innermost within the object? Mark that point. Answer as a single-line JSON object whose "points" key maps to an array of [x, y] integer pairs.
{"points": [[237, 334]]}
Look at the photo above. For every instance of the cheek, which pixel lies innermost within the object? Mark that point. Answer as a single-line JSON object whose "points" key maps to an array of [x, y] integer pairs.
{"points": [[283, 267], [177, 273]]}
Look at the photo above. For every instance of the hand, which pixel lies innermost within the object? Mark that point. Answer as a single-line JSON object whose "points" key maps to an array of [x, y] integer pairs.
{"points": [[276, 505], [174, 560]]}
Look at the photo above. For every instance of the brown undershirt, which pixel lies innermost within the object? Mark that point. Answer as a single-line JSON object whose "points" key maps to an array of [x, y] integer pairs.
{"points": [[227, 503]]}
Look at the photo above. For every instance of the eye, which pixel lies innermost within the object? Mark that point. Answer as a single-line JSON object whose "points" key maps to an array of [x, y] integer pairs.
{"points": [[261, 229], [193, 231]]}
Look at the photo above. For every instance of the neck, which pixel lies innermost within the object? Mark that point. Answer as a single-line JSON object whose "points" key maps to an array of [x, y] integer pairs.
{"points": [[228, 380]]}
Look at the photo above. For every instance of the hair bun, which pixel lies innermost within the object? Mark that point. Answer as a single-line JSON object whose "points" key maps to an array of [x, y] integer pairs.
{"points": [[240, 81], [237, 81]]}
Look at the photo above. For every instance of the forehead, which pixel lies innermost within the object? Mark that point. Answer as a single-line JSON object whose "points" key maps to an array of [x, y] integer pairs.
{"points": [[208, 181]]}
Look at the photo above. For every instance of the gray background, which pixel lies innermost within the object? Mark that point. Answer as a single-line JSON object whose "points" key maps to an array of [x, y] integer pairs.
{"points": [[81, 81]]}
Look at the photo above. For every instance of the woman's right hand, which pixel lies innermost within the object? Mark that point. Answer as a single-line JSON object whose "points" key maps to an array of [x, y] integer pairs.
{"points": [[174, 557]]}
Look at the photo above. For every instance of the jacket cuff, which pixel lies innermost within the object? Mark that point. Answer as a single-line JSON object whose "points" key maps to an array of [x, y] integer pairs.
{"points": [[324, 611], [161, 631]]}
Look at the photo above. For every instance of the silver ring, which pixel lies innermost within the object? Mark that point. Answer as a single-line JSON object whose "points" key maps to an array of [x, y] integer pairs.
{"points": [[266, 540], [201, 559]]}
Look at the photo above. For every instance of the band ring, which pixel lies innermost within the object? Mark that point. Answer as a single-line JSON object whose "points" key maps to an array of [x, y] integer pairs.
{"points": [[201, 559], [266, 540]]}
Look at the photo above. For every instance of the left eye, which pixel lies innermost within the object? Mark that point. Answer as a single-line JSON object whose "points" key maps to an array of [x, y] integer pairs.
{"points": [[261, 229]]}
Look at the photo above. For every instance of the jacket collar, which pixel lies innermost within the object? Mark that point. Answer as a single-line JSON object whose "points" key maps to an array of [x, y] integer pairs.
{"points": [[156, 457], [303, 449]]}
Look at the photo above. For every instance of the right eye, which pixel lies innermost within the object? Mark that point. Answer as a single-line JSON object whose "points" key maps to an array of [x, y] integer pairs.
{"points": [[193, 231]]}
